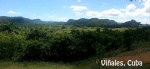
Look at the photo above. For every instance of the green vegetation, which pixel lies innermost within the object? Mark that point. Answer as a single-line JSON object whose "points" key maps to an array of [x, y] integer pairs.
{"points": [[63, 43], [41, 43]]}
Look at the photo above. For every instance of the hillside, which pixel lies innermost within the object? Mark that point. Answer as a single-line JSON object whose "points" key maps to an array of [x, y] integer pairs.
{"points": [[83, 22], [105, 23], [93, 22], [23, 20]]}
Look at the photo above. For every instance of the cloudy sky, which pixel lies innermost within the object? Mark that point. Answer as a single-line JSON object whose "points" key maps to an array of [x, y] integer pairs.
{"points": [[62, 10]]}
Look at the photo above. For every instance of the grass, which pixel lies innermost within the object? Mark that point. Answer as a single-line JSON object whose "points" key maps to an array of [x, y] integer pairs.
{"points": [[120, 29], [82, 64], [33, 65]]}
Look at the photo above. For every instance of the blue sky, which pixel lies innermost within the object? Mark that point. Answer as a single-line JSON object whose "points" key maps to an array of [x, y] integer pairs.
{"points": [[62, 10]]}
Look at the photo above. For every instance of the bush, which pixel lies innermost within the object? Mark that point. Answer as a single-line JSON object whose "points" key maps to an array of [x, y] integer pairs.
{"points": [[11, 47], [34, 50], [36, 35]]}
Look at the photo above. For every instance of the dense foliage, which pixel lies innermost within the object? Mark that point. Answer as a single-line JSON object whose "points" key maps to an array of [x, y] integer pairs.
{"points": [[40, 43]]}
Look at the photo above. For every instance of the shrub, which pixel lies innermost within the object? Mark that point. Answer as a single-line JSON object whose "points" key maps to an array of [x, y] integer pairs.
{"points": [[11, 47]]}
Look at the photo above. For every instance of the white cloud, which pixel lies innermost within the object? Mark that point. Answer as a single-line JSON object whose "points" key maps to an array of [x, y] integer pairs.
{"points": [[111, 12], [131, 11], [143, 20], [147, 6], [78, 8], [145, 11], [13, 12], [107, 13], [131, 7]]}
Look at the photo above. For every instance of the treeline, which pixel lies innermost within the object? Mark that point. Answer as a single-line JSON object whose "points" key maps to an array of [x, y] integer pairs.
{"points": [[104, 23], [39, 44]]}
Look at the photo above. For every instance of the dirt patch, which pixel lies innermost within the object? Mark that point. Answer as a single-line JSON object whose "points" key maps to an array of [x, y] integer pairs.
{"points": [[144, 57]]}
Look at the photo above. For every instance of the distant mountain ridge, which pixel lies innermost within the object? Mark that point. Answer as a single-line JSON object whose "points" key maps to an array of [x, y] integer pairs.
{"points": [[82, 22], [20, 20], [106, 23], [14, 19]]}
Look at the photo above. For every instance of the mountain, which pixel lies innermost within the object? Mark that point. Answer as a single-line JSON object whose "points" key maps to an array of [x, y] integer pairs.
{"points": [[14, 19], [82, 22], [105, 23], [93, 22], [132, 23], [21, 20]]}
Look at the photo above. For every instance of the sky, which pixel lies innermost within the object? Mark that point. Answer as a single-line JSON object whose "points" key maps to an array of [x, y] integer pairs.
{"points": [[62, 10]]}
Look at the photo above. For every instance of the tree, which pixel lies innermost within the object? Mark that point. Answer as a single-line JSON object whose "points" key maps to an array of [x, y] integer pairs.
{"points": [[100, 53], [7, 26], [128, 39], [98, 30], [36, 35]]}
